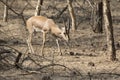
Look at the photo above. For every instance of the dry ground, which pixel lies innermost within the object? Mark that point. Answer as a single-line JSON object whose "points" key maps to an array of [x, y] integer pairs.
{"points": [[84, 59]]}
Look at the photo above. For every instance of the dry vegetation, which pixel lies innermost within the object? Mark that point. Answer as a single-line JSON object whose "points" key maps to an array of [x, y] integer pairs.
{"points": [[84, 59]]}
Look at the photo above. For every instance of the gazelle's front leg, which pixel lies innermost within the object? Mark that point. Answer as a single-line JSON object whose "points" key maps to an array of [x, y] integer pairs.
{"points": [[59, 49], [44, 39], [29, 43]]}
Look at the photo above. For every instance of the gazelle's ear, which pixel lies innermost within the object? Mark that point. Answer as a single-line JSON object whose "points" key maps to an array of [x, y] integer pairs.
{"points": [[63, 29]]}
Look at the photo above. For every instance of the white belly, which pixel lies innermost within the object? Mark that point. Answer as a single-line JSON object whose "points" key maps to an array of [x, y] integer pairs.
{"points": [[37, 29]]}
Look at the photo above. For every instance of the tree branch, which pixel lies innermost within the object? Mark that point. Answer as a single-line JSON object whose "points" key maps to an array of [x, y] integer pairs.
{"points": [[18, 14]]}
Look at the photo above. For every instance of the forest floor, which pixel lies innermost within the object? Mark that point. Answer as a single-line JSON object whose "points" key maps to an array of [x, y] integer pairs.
{"points": [[85, 58]]}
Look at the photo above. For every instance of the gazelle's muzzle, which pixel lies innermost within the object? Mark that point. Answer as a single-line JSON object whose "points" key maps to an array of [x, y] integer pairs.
{"points": [[66, 38]]}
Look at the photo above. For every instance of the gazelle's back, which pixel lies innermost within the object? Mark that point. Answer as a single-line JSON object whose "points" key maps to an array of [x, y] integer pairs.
{"points": [[37, 21], [40, 22]]}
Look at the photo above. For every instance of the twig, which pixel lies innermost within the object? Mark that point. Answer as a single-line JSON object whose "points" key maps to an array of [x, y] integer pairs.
{"points": [[90, 4], [60, 13], [15, 50], [29, 3]]}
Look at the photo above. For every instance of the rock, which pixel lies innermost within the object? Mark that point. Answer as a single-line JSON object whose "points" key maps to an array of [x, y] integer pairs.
{"points": [[46, 78], [91, 64], [71, 53]]}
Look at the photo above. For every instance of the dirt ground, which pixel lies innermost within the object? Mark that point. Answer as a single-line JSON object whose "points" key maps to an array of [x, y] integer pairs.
{"points": [[85, 58]]}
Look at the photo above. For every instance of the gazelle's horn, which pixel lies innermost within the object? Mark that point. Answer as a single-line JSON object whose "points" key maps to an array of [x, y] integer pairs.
{"points": [[68, 28], [64, 23]]}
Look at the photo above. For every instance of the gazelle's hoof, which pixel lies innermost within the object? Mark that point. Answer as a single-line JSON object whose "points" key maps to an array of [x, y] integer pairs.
{"points": [[61, 54], [43, 55], [29, 53]]}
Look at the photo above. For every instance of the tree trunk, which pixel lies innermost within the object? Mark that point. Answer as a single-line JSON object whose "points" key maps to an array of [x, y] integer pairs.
{"points": [[38, 7], [71, 11], [109, 29], [5, 12], [97, 21]]}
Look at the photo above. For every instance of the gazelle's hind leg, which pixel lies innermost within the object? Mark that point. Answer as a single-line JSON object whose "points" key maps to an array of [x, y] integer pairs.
{"points": [[29, 43]]}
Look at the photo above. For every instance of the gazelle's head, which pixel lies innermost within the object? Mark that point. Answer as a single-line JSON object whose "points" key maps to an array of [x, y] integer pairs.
{"points": [[64, 34], [65, 30], [60, 33]]}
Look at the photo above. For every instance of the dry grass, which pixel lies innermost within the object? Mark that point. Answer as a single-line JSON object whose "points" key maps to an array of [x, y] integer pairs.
{"points": [[87, 61]]}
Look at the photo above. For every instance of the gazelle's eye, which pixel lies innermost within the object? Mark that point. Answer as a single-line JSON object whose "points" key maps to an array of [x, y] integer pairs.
{"points": [[65, 34], [58, 32]]}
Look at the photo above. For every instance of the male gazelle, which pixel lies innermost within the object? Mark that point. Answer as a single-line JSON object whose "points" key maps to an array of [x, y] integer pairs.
{"points": [[44, 25]]}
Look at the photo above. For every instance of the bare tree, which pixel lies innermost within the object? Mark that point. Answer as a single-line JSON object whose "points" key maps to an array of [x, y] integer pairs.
{"points": [[5, 12], [71, 11], [98, 17], [20, 14], [109, 29], [38, 7]]}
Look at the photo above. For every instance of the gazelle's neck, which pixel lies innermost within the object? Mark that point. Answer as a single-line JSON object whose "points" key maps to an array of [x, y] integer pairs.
{"points": [[55, 30]]}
